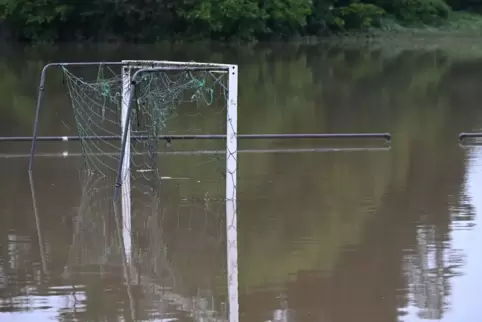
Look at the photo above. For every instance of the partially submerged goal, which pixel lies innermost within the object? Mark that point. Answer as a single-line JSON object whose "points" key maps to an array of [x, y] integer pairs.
{"points": [[123, 109]]}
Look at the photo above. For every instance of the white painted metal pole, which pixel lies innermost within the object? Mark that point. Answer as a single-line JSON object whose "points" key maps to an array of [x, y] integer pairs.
{"points": [[231, 186], [158, 63], [126, 173]]}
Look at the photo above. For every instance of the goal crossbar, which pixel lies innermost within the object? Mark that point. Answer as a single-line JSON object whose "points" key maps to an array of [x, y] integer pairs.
{"points": [[153, 63]]}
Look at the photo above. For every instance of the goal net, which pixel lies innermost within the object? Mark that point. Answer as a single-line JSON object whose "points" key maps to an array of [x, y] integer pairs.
{"points": [[167, 133]]}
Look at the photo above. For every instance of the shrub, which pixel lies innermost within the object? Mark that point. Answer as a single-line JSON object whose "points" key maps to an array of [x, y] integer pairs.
{"points": [[421, 11], [360, 16], [471, 5]]}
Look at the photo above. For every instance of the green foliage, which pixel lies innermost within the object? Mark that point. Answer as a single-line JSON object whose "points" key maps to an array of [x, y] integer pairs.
{"points": [[222, 18], [421, 11], [244, 19], [154, 20], [38, 19], [361, 16], [286, 17], [472, 5]]}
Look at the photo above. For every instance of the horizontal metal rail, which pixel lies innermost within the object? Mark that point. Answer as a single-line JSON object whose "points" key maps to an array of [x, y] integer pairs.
{"points": [[67, 154], [386, 136], [464, 135]]}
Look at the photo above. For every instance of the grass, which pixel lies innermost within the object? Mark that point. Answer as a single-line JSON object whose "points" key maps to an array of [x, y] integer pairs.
{"points": [[464, 22], [461, 30]]}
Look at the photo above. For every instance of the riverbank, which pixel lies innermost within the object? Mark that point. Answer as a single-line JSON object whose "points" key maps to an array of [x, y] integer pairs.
{"points": [[247, 21], [459, 24], [458, 37]]}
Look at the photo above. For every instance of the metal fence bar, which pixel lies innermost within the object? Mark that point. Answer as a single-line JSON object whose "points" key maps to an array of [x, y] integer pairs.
{"points": [[385, 136], [464, 135]]}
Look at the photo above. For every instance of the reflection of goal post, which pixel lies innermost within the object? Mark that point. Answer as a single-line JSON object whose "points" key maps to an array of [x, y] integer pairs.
{"points": [[119, 106]]}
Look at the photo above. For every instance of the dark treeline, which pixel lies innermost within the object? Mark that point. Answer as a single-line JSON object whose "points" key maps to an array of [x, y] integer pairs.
{"points": [[156, 20]]}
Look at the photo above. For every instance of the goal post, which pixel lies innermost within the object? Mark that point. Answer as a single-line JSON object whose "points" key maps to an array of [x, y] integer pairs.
{"points": [[144, 67]]}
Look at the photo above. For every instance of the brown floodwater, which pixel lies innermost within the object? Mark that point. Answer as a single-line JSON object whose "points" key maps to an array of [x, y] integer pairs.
{"points": [[328, 231]]}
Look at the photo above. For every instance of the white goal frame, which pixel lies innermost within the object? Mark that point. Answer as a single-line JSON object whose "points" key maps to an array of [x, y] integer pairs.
{"points": [[128, 84]]}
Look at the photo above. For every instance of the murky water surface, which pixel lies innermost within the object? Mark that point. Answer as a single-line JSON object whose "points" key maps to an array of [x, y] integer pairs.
{"points": [[358, 233]]}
